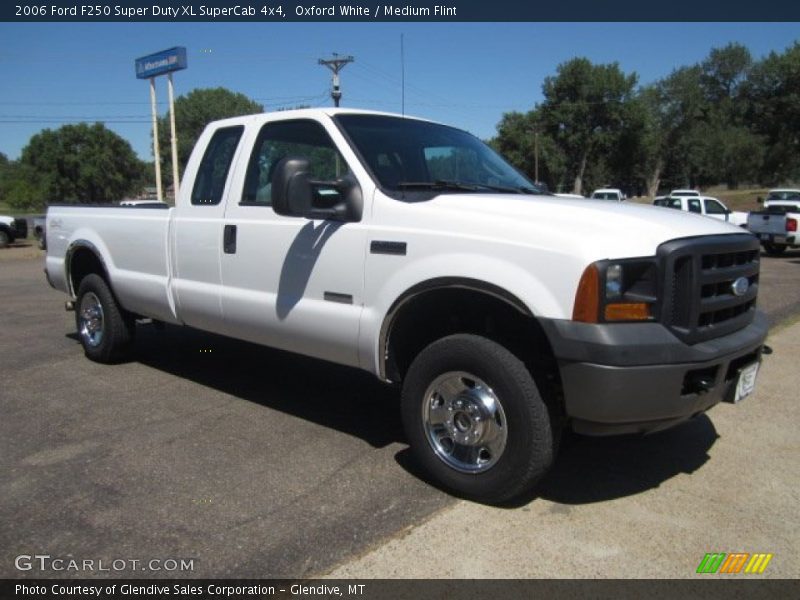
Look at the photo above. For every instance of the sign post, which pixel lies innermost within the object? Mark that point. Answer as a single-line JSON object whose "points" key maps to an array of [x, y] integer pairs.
{"points": [[156, 152], [150, 67]]}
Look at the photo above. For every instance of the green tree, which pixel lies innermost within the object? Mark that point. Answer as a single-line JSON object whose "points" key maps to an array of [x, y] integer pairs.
{"points": [[22, 188], [193, 112], [584, 111], [80, 163], [516, 142], [773, 94]]}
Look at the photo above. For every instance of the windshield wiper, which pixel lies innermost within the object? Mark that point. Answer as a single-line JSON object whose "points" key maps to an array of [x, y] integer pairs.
{"points": [[439, 184], [444, 184]]}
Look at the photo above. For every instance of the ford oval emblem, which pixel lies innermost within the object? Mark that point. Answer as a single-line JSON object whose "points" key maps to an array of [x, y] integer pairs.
{"points": [[740, 286]]}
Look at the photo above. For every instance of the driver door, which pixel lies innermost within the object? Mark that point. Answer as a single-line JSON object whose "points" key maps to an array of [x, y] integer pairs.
{"points": [[290, 282]]}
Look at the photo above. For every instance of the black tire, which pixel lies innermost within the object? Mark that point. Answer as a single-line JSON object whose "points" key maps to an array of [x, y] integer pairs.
{"points": [[774, 249], [5, 238], [530, 438], [116, 327]]}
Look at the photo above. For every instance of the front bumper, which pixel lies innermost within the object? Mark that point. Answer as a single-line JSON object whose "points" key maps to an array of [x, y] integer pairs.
{"points": [[638, 377]]}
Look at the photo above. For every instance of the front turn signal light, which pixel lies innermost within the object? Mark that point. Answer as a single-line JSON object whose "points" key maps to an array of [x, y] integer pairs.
{"points": [[628, 311], [587, 298]]}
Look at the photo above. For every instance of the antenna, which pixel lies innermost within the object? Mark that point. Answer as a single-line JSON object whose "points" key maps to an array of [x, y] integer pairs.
{"points": [[336, 64], [403, 75]]}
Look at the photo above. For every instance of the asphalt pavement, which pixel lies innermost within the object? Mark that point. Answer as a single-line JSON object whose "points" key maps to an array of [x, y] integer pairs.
{"points": [[258, 463]]}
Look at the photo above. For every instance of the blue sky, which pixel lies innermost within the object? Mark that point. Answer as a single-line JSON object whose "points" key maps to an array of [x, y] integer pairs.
{"points": [[465, 74]]}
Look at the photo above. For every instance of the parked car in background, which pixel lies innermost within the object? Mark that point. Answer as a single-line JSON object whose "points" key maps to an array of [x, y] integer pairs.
{"points": [[12, 229], [776, 225], [782, 197], [608, 194], [704, 205]]}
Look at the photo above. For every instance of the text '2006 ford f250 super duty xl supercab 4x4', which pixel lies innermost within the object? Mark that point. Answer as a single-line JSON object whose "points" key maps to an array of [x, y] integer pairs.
{"points": [[412, 250]]}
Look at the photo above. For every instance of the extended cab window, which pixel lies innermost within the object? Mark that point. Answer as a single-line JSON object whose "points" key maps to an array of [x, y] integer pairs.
{"points": [[213, 172], [714, 208], [277, 140], [694, 205]]}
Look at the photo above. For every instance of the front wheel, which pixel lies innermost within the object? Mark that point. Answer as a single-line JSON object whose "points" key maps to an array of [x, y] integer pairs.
{"points": [[475, 419], [5, 239], [105, 330]]}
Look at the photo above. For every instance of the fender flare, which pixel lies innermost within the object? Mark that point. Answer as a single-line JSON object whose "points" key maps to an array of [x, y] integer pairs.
{"points": [[439, 283], [82, 245]]}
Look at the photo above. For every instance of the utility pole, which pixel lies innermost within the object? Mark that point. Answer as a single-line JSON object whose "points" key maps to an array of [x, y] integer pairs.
{"points": [[536, 154], [336, 64]]}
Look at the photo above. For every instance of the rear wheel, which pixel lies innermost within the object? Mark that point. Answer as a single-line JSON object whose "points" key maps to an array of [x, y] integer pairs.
{"points": [[5, 238], [105, 330], [774, 249], [475, 419]]}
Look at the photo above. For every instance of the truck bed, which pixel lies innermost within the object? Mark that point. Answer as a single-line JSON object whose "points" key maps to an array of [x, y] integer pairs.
{"points": [[137, 240]]}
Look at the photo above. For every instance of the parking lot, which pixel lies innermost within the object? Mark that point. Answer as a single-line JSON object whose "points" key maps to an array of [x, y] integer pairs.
{"points": [[257, 463]]}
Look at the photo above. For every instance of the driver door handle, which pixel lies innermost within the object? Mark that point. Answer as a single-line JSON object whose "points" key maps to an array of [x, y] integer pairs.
{"points": [[229, 239]]}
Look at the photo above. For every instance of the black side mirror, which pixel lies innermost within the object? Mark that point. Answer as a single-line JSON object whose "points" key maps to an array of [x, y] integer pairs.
{"points": [[295, 194], [291, 187]]}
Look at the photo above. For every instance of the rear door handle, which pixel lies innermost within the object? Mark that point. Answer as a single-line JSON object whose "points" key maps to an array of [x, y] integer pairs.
{"points": [[229, 239]]}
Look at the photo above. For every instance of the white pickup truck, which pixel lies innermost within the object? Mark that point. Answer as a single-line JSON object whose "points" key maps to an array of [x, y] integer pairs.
{"points": [[413, 251], [703, 205], [776, 225], [11, 229]]}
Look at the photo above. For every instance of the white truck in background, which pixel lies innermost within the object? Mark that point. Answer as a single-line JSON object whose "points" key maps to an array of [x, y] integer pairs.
{"points": [[413, 251], [776, 225], [703, 205], [11, 229], [613, 194]]}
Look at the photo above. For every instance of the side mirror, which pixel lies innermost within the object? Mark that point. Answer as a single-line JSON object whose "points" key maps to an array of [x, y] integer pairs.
{"points": [[295, 194]]}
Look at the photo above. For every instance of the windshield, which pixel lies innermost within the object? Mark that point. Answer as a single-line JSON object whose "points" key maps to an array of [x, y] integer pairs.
{"points": [[406, 154], [784, 195]]}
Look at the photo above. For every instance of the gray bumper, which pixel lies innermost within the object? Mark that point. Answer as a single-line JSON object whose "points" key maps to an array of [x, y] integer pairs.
{"points": [[627, 378]]}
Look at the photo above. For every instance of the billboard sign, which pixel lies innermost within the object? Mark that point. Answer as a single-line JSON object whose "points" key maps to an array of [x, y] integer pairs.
{"points": [[162, 62]]}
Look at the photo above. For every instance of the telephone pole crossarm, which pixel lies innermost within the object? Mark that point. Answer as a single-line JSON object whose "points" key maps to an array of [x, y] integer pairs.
{"points": [[336, 64]]}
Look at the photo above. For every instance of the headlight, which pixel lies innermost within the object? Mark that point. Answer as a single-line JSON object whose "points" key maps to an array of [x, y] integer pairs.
{"points": [[617, 290]]}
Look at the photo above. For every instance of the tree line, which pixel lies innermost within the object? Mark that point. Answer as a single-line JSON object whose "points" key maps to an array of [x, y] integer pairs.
{"points": [[85, 163], [727, 120]]}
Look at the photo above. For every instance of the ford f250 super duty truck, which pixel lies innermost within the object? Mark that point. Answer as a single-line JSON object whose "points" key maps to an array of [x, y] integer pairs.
{"points": [[412, 250]]}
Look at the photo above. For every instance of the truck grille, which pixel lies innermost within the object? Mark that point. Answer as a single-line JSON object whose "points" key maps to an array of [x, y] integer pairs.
{"points": [[700, 302]]}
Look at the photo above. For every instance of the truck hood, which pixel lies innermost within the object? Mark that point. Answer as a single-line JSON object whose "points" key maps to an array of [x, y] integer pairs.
{"points": [[597, 229]]}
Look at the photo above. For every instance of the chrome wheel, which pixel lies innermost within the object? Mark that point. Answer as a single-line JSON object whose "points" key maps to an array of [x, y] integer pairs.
{"points": [[91, 320], [464, 422]]}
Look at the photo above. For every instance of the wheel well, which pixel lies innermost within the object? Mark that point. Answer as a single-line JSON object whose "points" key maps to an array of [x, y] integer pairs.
{"points": [[82, 262], [437, 313]]}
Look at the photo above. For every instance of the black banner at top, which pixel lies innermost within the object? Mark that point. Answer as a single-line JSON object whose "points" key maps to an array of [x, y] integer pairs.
{"points": [[400, 11]]}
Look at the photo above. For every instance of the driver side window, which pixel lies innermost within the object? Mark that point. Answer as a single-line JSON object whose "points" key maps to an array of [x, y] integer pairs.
{"points": [[277, 140]]}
